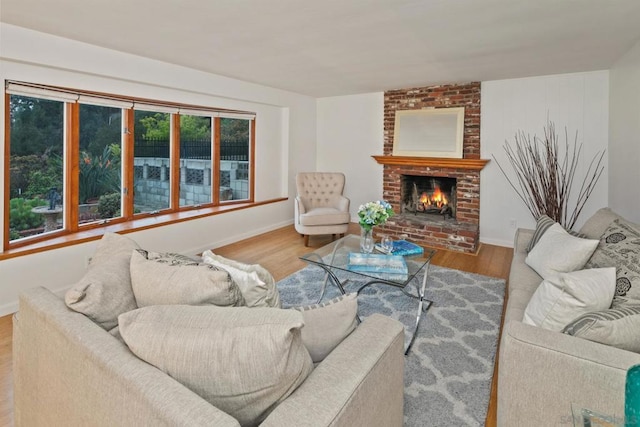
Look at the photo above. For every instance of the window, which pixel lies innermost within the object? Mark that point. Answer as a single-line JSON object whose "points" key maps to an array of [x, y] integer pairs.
{"points": [[100, 163], [152, 178], [195, 160], [35, 166], [81, 160], [235, 136]]}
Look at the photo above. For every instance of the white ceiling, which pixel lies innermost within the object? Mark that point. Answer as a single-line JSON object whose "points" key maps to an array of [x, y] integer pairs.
{"points": [[338, 47]]}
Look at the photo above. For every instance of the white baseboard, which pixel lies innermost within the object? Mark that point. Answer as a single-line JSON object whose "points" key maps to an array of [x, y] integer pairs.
{"points": [[238, 237], [8, 308], [497, 242]]}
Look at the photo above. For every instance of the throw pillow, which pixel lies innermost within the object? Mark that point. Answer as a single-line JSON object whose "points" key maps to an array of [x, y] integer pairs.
{"points": [[327, 324], [164, 279], [243, 361], [543, 223], [559, 252], [617, 327], [563, 297], [257, 285], [105, 290], [620, 247]]}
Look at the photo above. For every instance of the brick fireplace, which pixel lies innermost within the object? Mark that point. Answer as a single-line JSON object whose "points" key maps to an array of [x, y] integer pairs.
{"points": [[455, 228]]}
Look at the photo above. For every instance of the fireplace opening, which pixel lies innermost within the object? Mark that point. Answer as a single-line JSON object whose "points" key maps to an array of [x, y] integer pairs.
{"points": [[431, 197]]}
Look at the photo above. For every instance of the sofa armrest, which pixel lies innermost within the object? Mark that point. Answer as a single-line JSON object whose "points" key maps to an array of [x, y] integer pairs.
{"points": [[361, 383], [70, 371], [521, 240], [542, 372]]}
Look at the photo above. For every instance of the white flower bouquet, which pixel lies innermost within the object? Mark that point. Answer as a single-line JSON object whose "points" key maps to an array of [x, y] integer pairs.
{"points": [[374, 213]]}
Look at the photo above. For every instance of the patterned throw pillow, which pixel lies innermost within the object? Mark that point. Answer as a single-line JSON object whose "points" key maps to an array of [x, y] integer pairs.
{"points": [[543, 223], [617, 327], [168, 258], [620, 247]]}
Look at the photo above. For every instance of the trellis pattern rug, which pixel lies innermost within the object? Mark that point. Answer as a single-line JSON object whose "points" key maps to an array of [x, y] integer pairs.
{"points": [[449, 368]]}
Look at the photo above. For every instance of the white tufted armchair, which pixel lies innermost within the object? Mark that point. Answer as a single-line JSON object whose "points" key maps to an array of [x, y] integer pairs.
{"points": [[320, 207]]}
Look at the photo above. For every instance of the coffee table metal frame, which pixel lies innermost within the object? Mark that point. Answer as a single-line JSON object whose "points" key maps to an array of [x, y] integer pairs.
{"points": [[334, 256]]}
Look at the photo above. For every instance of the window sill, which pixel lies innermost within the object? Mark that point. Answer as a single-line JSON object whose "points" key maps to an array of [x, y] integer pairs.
{"points": [[128, 227]]}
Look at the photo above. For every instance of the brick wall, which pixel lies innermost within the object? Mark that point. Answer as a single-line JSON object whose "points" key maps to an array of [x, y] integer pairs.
{"points": [[446, 96], [461, 234]]}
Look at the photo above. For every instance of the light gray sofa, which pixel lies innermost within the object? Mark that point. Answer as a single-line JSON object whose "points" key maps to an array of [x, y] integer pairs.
{"points": [[541, 372], [68, 371]]}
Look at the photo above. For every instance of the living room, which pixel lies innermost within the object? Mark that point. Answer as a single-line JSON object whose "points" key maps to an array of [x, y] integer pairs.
{"points": [[300, 131]]}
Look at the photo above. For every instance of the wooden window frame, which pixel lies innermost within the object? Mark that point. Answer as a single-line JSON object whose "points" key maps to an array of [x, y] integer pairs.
{"points": [[73, 232]]}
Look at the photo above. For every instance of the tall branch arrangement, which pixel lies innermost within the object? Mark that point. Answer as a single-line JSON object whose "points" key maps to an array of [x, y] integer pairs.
{"points": [[545, 178]]}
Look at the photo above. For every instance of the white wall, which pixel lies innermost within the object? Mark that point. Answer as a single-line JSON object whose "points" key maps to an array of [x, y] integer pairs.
{"points": [[285, 144], [577, 102], [624, 135], [350, 131]]}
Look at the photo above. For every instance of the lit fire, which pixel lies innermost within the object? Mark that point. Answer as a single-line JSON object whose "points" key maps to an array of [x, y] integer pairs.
{"points": [[437, 199]]}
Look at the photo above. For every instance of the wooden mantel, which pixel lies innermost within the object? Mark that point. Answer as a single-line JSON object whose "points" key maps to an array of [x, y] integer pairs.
{"points": [[437, 162]]}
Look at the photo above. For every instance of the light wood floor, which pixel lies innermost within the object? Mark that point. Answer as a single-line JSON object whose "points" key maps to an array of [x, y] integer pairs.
{"points": [[278, 251]]}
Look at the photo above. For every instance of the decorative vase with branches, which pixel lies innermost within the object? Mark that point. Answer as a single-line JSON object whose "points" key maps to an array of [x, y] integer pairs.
{"points": [[545, 172]]}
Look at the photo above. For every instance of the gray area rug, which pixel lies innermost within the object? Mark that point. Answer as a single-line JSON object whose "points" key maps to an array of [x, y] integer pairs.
{"points": [[449, 368]]}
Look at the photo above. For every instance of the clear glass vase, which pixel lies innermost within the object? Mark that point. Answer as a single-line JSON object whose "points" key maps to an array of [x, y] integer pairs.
{"points": [[366, 240]]}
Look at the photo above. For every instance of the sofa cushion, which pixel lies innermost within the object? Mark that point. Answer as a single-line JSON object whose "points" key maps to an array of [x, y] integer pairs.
{"points": [[561, 298], [598, 223], [559, 252], [105, 290], [243, 361], [324, 216], [543, 223], [327, 324], [620, 247], [618, 327], [169, 279], [257, 285]]}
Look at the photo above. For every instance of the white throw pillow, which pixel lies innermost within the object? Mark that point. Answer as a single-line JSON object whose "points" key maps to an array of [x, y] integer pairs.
{"points": [[257, 285], [565, 296], [559, 252], [243, 361]]}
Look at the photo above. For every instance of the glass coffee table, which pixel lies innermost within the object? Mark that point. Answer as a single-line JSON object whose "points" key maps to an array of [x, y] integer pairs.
{"points": [[335, 257]]}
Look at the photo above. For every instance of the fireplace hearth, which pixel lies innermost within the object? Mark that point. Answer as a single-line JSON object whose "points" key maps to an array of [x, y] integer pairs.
{"points": [[457, 180]]}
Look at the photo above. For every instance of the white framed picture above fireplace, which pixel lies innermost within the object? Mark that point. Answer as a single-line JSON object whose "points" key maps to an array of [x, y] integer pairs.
{"points": [[433, 132]]}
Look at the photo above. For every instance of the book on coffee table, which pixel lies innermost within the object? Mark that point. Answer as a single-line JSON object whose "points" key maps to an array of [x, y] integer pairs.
{"points": [[388, 267], [403, 248]]}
